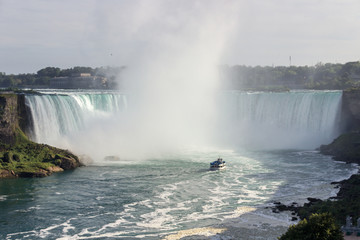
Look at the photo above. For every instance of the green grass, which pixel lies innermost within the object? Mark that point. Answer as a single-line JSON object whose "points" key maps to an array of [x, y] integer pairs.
{"points": [[26, 156]]}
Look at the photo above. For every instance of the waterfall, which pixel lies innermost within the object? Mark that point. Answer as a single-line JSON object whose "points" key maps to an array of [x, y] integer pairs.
{"points": [[57, 115], [296, 119], [261, 120]]}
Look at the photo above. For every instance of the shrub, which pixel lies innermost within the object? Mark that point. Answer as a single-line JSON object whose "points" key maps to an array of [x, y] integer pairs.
{"points": [[318, 227]]}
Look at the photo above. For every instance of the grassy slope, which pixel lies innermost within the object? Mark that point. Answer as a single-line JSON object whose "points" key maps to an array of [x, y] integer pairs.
{"points": [[26, 158]]}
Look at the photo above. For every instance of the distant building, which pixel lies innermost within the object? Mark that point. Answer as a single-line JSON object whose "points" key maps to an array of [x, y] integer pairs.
{"points": [[81, 75], [79, 81]]}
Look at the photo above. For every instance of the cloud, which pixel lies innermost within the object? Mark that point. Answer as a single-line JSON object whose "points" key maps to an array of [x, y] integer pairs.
{"points": [[310, 31], [87, 32]]}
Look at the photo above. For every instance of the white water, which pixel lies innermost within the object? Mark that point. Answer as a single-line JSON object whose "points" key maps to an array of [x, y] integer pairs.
{"points": [[56, 117], [285, 120], [289, 120], [175, 193]]}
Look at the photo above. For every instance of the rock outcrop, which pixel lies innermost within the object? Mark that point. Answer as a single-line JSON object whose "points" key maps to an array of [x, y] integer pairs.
{"points": [[9, 118], [20, 157], [345, 148], [351, 109]]}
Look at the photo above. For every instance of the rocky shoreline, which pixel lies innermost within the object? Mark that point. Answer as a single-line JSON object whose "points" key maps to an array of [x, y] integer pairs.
{"points": [[345, 148]]}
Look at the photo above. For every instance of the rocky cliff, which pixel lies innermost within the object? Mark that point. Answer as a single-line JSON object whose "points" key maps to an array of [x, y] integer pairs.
{"points": [[351, 109], [344, 148], [20, 157], [347, 146], [9, 118]]}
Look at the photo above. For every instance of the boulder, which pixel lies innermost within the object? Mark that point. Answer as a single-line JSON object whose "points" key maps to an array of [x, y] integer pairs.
{"points": [[68, 162], [7, 174], [39, 173]]}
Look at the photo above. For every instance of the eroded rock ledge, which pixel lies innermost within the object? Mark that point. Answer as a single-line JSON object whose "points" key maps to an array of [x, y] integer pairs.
{"points": [[20, 157]]}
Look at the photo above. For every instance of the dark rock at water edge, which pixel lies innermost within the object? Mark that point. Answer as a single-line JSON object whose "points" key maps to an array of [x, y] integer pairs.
{"points": [[345, 148], [279, 207], [351, 109], [346, 203]]}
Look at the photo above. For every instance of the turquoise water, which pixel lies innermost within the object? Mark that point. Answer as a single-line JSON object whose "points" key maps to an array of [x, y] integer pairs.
{"points": [[267, 140], [153, 198]]}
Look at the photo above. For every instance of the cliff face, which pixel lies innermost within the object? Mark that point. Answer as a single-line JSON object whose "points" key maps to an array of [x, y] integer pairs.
{"points": [[12, 115], [351, 109], [347, 146], [9, 118]]}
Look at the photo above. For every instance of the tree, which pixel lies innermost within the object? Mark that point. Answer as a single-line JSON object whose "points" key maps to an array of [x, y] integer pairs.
{"points": [[49, 72], [318, 227]]}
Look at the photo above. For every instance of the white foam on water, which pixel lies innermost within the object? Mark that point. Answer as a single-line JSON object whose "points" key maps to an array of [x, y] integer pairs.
{"points": [[158, 219], [44, 233], [235, 197], [112, 225], [240, 211], [206, 231], [37, 207], [30, 233]]}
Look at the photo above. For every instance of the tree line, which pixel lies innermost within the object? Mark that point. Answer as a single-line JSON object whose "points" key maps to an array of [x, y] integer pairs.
{"points": [[238, 77], [42, 77], [320, 76]]}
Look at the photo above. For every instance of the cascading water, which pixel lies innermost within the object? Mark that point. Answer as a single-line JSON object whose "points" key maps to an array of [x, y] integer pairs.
{"points": [[260, 120], [297, 120], [284, 120], [119, 198], [55, 116]]}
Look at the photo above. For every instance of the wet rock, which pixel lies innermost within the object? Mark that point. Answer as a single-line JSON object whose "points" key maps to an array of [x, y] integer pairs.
{"points": [[40, 173], [70, 162], [313, 200], [7, 174]]}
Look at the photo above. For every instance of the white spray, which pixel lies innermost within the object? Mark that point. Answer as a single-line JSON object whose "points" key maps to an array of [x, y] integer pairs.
{"points": [[170, 81]]}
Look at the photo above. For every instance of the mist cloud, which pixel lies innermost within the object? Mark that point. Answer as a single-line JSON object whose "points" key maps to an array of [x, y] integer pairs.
{"points": [[171, 81]]}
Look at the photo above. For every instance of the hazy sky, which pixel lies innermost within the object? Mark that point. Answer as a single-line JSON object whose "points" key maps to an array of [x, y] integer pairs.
{"points": [[40, 33]]}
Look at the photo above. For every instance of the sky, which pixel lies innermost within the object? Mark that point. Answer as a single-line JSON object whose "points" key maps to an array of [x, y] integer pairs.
{"points": [[39, 33]]}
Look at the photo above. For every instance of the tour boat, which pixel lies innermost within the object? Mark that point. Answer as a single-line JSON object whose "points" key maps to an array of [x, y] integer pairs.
{"points": [[218, 164]]}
